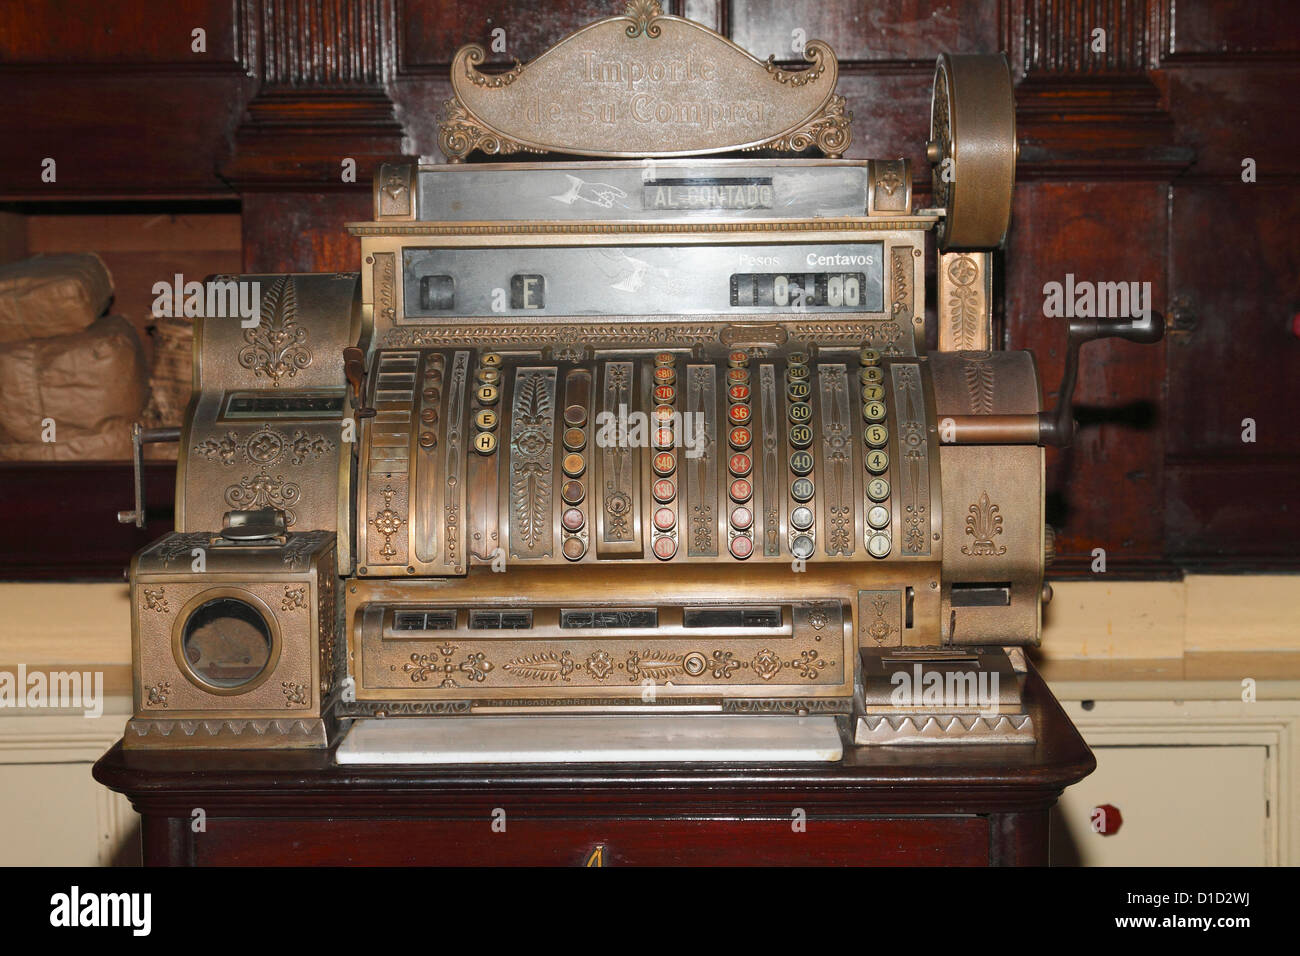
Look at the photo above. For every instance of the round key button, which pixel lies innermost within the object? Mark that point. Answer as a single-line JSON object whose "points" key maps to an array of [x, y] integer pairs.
{"points": [[801, 519], [665, 358], [871, 375], [877, 461], [487, 394], [428, 439], [800, 412], [801, 436], [873, 392], [873, 411], [573, 519], [798, 391], [742, 546], [741, 489], [572, 491], [741, 518], [485, 443], [801, 546], [876, 435], [664, 490], [490, 359], [801, 462], [739, 414], [664, 413], [796, 372], [737, 376], [740, 464], [485, 419], [665, 464], [574, 548], [575, 439], [801, 489], [738, 393], [429, 415], [878, 517], [740, 437], [877, 489], [738, 359], [663, 438], [878, 545], [575, 415], [797, 358], [665, 518], [664, 547], [664, 375], [869, 356], [431, 394], [665, 394], [432, 375], [489, 376], [574, 464]]}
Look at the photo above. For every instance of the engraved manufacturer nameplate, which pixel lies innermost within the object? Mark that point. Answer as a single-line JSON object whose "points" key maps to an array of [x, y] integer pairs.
{"points": [[645, 85]]}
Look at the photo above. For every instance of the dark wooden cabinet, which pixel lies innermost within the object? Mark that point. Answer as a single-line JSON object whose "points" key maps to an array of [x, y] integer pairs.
{"points": [[920, 805]]}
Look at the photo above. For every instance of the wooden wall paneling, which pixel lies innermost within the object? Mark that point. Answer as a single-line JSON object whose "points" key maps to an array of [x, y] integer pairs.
{"points": [[1235, 355], [146, 33], [294, 231], [1106, 489]]}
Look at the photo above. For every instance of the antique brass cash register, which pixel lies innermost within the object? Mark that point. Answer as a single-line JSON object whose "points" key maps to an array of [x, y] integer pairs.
{"points": [[643, 448]]}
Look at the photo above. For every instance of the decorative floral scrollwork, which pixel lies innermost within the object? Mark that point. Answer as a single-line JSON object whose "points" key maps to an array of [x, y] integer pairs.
{"points": [[277, 344]]}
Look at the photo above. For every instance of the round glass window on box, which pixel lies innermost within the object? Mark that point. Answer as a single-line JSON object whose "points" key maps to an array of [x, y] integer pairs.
{"points": [[226, 641]]}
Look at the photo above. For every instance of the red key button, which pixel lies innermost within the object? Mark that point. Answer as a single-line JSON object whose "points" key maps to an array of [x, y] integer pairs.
{"points": [[664, 548], [665, 393], [740, 464], [664, 490], [665, 464], [742, 546], [738, 376], [738, 393], [741, 518], [739, 414], [740, 437], [573, 519], [663, 438], [665, 518], [741, 490]]}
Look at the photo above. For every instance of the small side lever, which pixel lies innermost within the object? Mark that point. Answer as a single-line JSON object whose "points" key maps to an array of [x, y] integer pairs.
{"points": [[1056, 427], [141, 436], [354, 367]]}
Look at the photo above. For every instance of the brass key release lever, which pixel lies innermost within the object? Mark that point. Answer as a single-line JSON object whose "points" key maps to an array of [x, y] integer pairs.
{"points": [[354, 367]]}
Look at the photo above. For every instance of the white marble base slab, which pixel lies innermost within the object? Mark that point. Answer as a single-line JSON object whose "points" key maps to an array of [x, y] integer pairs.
{"points": [[605, 739]]}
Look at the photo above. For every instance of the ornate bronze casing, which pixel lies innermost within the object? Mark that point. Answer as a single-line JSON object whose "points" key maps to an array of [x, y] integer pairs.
{"points": [[637, 433]]}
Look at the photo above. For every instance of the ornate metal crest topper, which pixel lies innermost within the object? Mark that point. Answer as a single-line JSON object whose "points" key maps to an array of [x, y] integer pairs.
{"points": [[645, 85]]}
